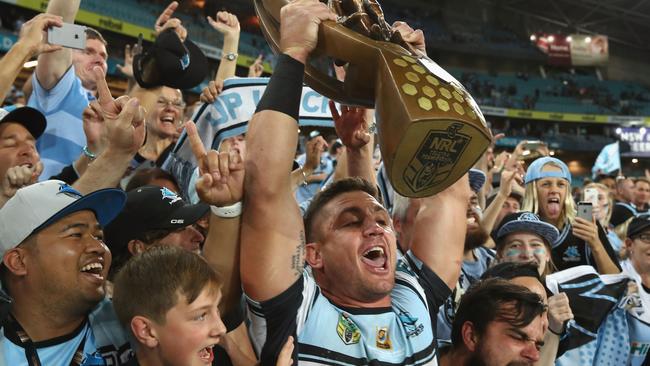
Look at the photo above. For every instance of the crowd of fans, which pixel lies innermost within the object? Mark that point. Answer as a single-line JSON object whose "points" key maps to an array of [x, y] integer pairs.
{"points": [[287, 259]]}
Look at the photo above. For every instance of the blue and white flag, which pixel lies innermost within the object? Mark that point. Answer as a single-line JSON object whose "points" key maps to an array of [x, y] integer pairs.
{"points": [[609, 160], [599, 332], [228, 116]]}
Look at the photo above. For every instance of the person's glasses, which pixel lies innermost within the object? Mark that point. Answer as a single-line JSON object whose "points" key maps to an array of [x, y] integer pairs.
{"points": [[174, 103], [644, 238]]}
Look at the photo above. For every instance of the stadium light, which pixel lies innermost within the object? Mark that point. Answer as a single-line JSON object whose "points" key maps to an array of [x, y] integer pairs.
{"points": [[551, 38], [569, 39], [533, 38], [635, 160], [642, 130], [618, 131], [588, 40]]}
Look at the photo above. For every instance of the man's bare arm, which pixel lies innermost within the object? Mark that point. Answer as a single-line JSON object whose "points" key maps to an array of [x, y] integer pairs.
{"points": [[439, 232], [31, 42], [273, 237], [52, 66]]}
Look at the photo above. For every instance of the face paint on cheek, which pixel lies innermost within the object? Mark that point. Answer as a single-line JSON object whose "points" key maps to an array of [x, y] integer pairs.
{"points": [[539, 251], [513, 252]]}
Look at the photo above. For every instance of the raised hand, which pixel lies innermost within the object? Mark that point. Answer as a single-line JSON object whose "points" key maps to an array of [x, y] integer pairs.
{"points": [[94, 128], [559, 312], [415, 38], [212, 91], [34, 33], [129, 53], [221, 181], [123, 118], [165, 21], [351, 125], [587, 231], [18, 177], [110, 107], [256, 69], [225, 23], [299, 27], [314, 150]]}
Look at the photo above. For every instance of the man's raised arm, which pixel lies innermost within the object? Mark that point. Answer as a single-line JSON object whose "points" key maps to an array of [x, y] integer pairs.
{"points": [[439, 232], [52, 66], [273, 237]]}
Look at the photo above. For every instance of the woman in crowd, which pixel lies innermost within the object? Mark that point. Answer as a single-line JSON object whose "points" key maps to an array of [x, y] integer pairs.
{"points": [[548, 184]]}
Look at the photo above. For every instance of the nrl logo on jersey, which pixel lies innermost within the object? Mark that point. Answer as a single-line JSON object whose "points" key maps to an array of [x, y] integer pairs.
{"points": [[347, 330]]}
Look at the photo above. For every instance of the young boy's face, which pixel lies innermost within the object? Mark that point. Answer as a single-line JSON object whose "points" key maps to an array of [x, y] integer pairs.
{"points": [[191, 330]]}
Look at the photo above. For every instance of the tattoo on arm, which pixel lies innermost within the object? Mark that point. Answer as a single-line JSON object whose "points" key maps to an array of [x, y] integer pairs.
{"points": [[298, 258]]}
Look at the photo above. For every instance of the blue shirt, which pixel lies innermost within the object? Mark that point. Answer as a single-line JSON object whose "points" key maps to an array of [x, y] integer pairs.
{"points": [[470, 272], [105, 343], [64, 137]]}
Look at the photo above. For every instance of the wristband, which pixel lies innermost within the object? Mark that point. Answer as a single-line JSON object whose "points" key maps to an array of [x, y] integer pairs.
{"points": [[89, 154], [284, 89], [554, 332], [227, 212]]}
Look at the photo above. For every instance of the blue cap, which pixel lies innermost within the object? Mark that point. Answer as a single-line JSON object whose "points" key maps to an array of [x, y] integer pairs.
{"points": [[476, 179], [525, 221], [535, 172]]}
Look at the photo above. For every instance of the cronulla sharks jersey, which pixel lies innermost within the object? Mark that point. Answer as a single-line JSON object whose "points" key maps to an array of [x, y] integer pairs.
{"points": [[329, 334]]}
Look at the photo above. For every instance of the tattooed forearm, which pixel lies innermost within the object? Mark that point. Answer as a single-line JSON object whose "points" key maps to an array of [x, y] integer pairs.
{"points": [[298, 258]]}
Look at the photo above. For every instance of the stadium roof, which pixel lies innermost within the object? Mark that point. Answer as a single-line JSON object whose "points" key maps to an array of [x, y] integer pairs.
{"points": [[623, 21]]}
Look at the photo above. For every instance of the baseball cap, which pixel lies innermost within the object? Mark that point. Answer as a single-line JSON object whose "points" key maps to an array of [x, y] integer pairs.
{"points": [[476, 179], [638, 225], [535, 172], [527, 222], [170, 62], [30, 118], [150, 208], [39, 205]]}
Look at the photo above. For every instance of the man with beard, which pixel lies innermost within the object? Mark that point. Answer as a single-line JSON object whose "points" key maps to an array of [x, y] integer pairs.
{"points": [[476, 257], [509, 329]]}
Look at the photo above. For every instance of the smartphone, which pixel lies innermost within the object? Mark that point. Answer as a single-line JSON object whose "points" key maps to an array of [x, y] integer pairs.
{"points": [[591, 195], [585, 210], [533, 145], [69, 35]]}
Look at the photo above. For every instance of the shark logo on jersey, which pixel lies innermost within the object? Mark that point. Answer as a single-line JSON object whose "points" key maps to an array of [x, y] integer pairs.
{"points": [[347, 330], [571, 254], [410, 323], [170, 195], [383, 339]]}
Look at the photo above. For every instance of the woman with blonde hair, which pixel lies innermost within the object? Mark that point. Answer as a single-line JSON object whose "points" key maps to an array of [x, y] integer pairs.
{"points": [[548, 185], [603, 207]]}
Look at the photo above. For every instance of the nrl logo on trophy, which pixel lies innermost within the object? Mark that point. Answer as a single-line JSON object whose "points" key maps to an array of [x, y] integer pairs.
{"points": [[430, 129]]}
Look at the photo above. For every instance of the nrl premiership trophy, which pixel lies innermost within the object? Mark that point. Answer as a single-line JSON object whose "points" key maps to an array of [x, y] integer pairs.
{"points": [[430, 129]]}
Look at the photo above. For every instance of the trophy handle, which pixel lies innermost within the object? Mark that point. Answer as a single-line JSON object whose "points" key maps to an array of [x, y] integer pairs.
{"points": [[339, 42]]}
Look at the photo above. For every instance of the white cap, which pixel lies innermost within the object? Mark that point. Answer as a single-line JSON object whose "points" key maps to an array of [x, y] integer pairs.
{"points": [[39, 205]]}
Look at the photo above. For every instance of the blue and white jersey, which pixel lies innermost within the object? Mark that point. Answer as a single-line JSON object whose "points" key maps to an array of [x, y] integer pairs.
{"points": [[64, 137], [638, 316], [329, 334], [104, 343], [470, 272]]}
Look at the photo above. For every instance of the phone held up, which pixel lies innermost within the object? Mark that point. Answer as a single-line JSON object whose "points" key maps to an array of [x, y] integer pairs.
{"points": [[585, 210], [69, 36]]}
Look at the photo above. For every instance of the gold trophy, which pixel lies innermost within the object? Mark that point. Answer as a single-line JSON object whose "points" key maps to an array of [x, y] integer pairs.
{"points": [[431, 131]]}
